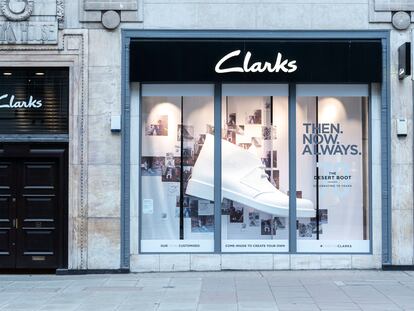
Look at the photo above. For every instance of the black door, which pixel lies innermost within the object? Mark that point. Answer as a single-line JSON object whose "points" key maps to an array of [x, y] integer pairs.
{"points": [[8, 196], [32, 207]]}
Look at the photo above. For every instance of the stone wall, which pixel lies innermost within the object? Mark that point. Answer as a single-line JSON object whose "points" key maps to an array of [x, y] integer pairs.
{"points": [[104, 150]]}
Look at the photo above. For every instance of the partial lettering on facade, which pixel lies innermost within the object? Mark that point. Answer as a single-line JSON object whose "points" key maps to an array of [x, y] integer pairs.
{"points": [[28, 32]]}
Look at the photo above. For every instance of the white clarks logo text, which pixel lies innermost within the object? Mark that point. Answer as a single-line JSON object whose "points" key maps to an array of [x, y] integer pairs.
{"points": [[11, 103], [280, 64]]}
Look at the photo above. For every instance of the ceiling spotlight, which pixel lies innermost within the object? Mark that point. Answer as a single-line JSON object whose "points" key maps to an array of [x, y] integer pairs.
{"points": [[39, 73], [7, 73]]}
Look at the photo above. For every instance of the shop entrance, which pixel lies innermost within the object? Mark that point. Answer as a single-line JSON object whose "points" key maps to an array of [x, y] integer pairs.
{"points": [[33, 205]]}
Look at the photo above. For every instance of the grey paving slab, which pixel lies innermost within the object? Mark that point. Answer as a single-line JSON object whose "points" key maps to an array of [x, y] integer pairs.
{"points": [[257, 305], [284, 282], [130, 308], [379, 307], [286, 300], [206, 299], [297, 306], [177, 306], [338, 306], [183, 300], [98, 307], [22, 305], [62, 307], [290, 292], [217, 307], [268, 308]]}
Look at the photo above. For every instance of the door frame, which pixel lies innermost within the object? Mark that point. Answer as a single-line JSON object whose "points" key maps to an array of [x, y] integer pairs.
{"points": [[72, 52], [59, 151]]}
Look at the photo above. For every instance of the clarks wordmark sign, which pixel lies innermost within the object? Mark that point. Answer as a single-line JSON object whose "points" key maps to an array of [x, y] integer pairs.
{"points": [[279, 64], [10, 102]]}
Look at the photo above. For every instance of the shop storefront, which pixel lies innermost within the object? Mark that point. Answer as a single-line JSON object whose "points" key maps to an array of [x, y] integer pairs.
{"points": [[222, 130], [206, 135], [34, 123]]}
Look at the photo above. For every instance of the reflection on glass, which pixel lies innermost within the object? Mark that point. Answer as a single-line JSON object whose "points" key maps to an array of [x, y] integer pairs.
{"points": [[174, 217], [255, 163], [332, 172]]}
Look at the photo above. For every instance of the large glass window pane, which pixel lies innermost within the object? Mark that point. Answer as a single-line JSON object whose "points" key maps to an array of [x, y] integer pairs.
{"points": [[177, 154], [255, 168], [332, 168]]}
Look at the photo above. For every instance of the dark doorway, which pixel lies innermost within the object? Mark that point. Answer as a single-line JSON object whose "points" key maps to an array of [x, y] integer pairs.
{"points": [[33, 205]]}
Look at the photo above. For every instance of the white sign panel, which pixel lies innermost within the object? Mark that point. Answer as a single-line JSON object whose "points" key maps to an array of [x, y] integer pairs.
{"points": [[334, 246], [147, 206], [177, 246], [253, 246]]}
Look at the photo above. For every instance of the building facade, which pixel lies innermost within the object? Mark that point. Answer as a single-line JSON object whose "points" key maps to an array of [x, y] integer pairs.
{"points": [[144, 135]]}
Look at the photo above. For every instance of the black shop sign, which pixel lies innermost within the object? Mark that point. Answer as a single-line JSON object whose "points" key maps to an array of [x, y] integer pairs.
{"points": [[34, 100], [298, 61]]}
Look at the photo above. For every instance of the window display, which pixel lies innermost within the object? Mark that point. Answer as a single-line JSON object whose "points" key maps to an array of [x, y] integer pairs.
{"points": [[255, 174], [178, 185], [176, 121], [332, 168]]}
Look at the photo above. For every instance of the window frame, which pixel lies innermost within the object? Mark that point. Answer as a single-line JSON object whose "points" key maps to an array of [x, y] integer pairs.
{"points": [[292, 96]]}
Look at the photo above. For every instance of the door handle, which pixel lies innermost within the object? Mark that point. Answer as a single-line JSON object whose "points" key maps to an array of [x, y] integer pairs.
{"points": [[16, 223]]}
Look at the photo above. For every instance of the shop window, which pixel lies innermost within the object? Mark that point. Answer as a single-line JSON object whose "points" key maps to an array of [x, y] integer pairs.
{"points": [[177, 121], [332, 168], [255, 168], [178, 185]]}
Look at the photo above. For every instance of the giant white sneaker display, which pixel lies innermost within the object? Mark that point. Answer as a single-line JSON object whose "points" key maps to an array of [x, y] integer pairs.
{"points": [[243, 180]]}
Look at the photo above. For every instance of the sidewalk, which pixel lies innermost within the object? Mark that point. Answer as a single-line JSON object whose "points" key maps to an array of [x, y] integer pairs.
{"points": [[227, 291]]}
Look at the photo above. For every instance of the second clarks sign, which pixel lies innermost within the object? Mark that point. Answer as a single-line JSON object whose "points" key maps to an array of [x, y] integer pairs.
{"points": [[9, 102]]}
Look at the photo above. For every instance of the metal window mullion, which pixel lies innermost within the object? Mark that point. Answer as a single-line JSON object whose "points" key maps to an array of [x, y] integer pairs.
{"points": [[217, 168], [292, 168], [386, 157], [125, 165], [370, 168], [181, 229]]}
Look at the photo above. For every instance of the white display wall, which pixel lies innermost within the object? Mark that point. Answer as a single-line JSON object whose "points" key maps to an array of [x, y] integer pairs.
{"points": [[165, 156], [341, 167], [258, 114]]}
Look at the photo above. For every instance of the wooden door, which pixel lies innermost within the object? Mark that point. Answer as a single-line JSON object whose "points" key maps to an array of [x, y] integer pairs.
{"points": [[33, 198], [8, 195]]}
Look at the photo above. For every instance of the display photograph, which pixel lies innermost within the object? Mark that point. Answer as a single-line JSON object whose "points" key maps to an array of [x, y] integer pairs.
{"points": [[176, 148], [332, 167], [255, 174]]}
